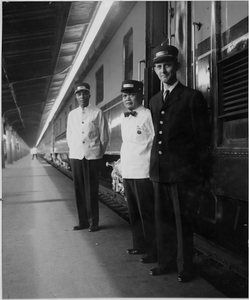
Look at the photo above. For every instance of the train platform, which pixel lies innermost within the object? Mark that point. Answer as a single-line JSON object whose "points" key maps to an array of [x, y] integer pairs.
{"points": [[42, 257]]}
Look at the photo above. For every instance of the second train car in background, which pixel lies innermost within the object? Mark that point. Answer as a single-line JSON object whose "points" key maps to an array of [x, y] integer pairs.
{"points": [[212, 38]]}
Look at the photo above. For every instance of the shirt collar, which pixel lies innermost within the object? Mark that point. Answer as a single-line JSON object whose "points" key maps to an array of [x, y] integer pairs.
{"points": [[171, 87], [85, 108], [138, 108]]}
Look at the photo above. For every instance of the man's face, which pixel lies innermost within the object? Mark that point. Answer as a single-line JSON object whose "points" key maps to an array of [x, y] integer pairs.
{"points": [[132, 100], [83, 98], [166, 72]]}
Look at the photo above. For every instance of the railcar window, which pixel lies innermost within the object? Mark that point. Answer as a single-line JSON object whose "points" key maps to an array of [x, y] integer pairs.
{"points": [[99, 85], [65, 119], [234, 26], [221, 53], [55, 128], [59, 126], [128, 55]]}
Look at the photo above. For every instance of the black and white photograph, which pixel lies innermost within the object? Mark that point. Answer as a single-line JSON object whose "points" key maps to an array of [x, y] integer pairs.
{"points": [[124, 149]]}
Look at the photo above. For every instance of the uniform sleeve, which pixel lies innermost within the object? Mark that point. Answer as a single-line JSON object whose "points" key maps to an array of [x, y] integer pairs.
{"points": [[69, 130], [150, 106], [151, 126], [202, 130], [104, 131]]}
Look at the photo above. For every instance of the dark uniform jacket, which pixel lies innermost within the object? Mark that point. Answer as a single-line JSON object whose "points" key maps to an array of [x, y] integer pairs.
{"points": [[181, 135]]}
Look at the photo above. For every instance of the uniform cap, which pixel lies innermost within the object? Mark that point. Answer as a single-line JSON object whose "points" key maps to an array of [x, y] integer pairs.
{"points": [[131, 86], [81, 87], [164, 53]]}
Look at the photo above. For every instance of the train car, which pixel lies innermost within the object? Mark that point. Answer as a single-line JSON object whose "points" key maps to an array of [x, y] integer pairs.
{"points": [[212, 38]]}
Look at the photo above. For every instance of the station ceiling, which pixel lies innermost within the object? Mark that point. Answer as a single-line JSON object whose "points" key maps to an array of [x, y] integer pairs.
{"points": [[40, 41]]}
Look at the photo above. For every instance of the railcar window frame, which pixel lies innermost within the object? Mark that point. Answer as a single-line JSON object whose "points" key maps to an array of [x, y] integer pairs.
{"points": [[99, 76], [128, 55], [56, 128], [60, 126], [65, 119]]}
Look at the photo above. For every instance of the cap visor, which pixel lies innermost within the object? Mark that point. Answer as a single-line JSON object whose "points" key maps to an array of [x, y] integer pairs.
{"points": [[164, 59], [81, 90]]}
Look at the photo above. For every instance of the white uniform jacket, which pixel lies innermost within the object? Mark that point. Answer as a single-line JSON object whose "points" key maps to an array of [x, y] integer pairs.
{"points": [[137, 136], [87, 133]]}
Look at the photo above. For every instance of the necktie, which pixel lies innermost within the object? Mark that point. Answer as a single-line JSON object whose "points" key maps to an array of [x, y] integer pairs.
{"points": [[130, 113], [165, 94]]}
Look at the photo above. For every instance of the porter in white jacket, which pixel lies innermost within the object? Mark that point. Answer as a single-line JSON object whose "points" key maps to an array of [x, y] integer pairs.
{"points": [[87, 138], [87, 133]]}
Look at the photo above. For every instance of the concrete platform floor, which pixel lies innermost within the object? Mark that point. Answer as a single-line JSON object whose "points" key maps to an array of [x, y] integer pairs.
{"points": [[44, 258]]}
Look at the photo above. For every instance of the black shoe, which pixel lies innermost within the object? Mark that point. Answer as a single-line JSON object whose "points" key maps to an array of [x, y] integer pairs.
{"points": [[93, 228], [161, 270], [148, 259], [135, 251], [186, 276], [79, 227]]}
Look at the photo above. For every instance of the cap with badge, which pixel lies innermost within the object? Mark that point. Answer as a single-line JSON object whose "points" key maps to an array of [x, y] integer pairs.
{"points": [[131, 86], [164, 53], [81, 87]]}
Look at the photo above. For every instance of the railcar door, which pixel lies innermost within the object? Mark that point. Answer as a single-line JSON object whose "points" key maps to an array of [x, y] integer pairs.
{"points": [[220, 71], [217, 34], [212, 38], [231, 115]]}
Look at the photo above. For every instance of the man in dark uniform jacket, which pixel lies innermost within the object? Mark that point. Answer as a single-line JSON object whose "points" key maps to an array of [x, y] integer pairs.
{"points": [[181, 123]]}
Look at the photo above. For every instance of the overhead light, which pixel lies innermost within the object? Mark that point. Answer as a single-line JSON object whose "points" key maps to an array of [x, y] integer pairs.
{"points": [[99, 18]]}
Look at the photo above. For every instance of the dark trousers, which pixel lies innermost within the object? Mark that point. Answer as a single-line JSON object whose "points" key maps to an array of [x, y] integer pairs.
{"points": [[86, 185], [140, 199], [175, 211]]}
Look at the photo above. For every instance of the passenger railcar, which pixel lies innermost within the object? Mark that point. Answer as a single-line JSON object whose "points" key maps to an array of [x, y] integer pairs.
{"points": [[212, 37]]}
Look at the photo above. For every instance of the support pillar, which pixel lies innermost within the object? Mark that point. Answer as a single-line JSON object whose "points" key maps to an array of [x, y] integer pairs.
{"points": [[8, 144], [21, 149], [17, 147], [3, 145], [13, 146]]}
